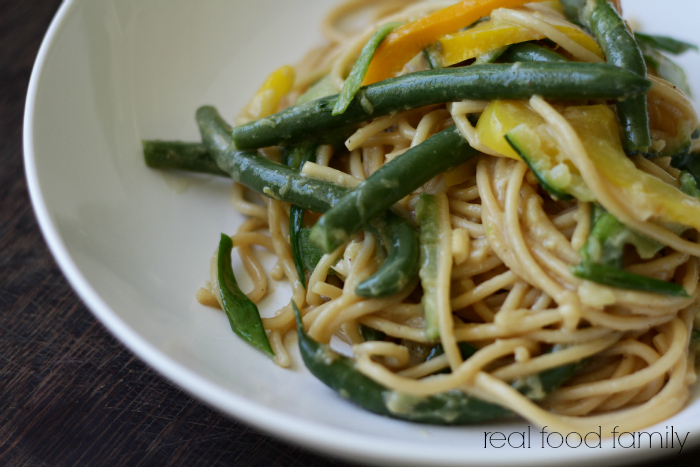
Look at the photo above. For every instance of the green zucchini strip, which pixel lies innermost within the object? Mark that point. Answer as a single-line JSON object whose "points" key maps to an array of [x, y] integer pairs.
{"points": [[484, 82], [243, 315], [296, 157], [388, 185], [354, 81], [621, 49], [602, 256], [428, 217]]}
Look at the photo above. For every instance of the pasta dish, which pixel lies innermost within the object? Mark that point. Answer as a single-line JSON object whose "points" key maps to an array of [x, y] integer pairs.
{"points": [[493, 204]]}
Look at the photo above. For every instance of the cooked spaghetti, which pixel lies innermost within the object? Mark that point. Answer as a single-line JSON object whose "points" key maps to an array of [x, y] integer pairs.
{"points": [[511, 226]]}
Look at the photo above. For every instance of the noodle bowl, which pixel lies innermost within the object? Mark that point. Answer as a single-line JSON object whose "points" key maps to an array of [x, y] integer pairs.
{"points": [[506, 253]]}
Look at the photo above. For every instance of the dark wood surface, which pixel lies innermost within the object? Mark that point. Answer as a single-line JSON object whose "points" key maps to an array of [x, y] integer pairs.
{"points": [[70, 394]]}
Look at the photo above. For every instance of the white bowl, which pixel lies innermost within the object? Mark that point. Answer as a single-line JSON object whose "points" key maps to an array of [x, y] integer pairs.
{"points": [[135, 243]]}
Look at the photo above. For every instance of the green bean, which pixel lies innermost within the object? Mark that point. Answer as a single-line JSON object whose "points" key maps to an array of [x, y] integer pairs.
{"points": [[388, 185], [192, 157], [688, 184], [283, 183], [663, 66], [369, 334], [243, 315], [620, 49], [614, 277], [310, 253], [448, 408], [689, 164], [530, 52], [295, 157], [402, 262], [666, 44], [491, 81], [427, 215], [357, 74], [573, 9]]}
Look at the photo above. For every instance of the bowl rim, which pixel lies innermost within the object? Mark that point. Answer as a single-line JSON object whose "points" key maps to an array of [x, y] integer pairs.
{"points": [[309, 433]]}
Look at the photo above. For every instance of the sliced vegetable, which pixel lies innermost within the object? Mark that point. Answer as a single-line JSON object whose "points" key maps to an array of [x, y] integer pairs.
{"points": [[602, 257], [555, 179], [354, 80], [614, 277], [433, 57], [427, 216], [495, 34], [321, 88], [608, 237], [514, 130], [270, 94], [689, 164], [370, 334], [597, 127], [296, 157], [646, 195], [490, 56], [663, 66], [389, 184], [286, 184], [484, 82], [310, 253], [192, 157], [406, 42], [688, 185], [531, 52], [621, 49], [454, 407], [242, 313], [400, 241], [666, 44], [572, 9]]}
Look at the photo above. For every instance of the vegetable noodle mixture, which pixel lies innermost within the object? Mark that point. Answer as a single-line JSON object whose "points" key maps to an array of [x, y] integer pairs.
{"points": [[496, 203]]}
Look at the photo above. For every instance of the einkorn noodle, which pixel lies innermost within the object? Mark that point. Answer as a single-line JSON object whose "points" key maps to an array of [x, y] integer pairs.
{"points": [[505, 256]]}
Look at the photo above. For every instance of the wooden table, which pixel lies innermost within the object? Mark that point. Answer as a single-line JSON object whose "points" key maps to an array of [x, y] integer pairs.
{"points": [[70, 394]]}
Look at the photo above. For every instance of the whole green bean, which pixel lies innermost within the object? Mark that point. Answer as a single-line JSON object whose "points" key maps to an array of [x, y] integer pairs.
{"points": [[388, 185], [490, 81], [666, 44], [448, 408], [572, 9], [354, 81], [179, 155], [614, 277], [242, 313], [283, 183], [621, 49], [530, 52]]}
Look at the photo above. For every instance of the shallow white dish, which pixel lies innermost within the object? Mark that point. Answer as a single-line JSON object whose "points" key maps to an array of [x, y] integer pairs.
{"points": [[135, 243]]}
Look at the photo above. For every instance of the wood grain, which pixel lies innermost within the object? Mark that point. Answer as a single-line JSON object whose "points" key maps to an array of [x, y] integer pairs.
{"points": [[70, 394]]}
